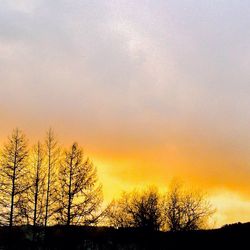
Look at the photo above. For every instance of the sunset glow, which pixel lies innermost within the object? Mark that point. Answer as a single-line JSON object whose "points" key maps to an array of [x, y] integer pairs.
{"points": [[152, 90]]}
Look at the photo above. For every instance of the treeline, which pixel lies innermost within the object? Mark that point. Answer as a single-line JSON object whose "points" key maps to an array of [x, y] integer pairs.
{"points": [[179, 209], [46, 185]]}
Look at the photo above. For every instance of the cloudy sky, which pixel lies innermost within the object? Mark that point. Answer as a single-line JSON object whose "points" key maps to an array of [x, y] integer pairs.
{"points": [[152, 89]]}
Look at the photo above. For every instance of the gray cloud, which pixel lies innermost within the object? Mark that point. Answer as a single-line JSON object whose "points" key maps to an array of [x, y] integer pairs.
{"points": [[125, 63]]}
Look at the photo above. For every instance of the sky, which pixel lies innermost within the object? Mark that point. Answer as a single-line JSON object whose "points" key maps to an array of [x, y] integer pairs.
{"points": [[152, 89]]}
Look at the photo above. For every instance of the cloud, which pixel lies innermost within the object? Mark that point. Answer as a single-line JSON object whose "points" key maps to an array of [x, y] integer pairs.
{"points": [[22, 6], [160, 84]]}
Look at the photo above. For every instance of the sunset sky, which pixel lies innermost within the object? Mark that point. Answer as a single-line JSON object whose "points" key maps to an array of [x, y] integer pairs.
{"points": [[152, 89]]}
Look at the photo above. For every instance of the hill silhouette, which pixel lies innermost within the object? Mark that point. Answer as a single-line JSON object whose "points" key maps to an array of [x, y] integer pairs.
{"points": [[234, 236]]}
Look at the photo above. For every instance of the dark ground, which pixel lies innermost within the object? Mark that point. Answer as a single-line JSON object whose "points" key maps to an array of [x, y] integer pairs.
{"points": [[236, 236]]}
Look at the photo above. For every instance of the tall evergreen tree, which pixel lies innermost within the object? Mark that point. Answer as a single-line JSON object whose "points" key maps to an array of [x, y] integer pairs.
{"points": [[37, 190], [52, 152], [14, 183], [80, 195]]}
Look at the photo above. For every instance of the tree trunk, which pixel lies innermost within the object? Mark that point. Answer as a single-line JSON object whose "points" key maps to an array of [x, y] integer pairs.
{"points": [[13, 188], [48, 190], [69, 193], [36, 190]]}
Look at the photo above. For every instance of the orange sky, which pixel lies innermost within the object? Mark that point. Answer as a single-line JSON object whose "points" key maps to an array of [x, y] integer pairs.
{"points": [[127, 161], [151, 89]]}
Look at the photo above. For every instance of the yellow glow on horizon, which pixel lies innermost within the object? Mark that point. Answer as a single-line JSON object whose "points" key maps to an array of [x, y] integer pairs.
{"points": [[231, 205], [230, 208], [123, 169]]}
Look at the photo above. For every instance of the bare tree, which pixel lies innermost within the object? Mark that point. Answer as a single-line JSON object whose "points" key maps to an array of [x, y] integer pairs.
{"points": [[174, 208], [137, 209], [186, 210], [52, 157], [80, 195], [37, 191], [116, 213], [13, 174]]}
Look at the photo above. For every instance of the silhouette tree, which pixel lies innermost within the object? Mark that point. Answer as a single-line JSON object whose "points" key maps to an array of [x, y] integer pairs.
{"points": [[137, 209], [14, 183], [186, 210], [116, 213], [52, 153], [36, 193], [80, 196]]}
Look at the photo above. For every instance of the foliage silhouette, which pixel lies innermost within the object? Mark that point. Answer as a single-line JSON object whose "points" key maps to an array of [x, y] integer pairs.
{"points": [[137, 209], [52, 157], [14, 184], [186, 210], [80, 195]]}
